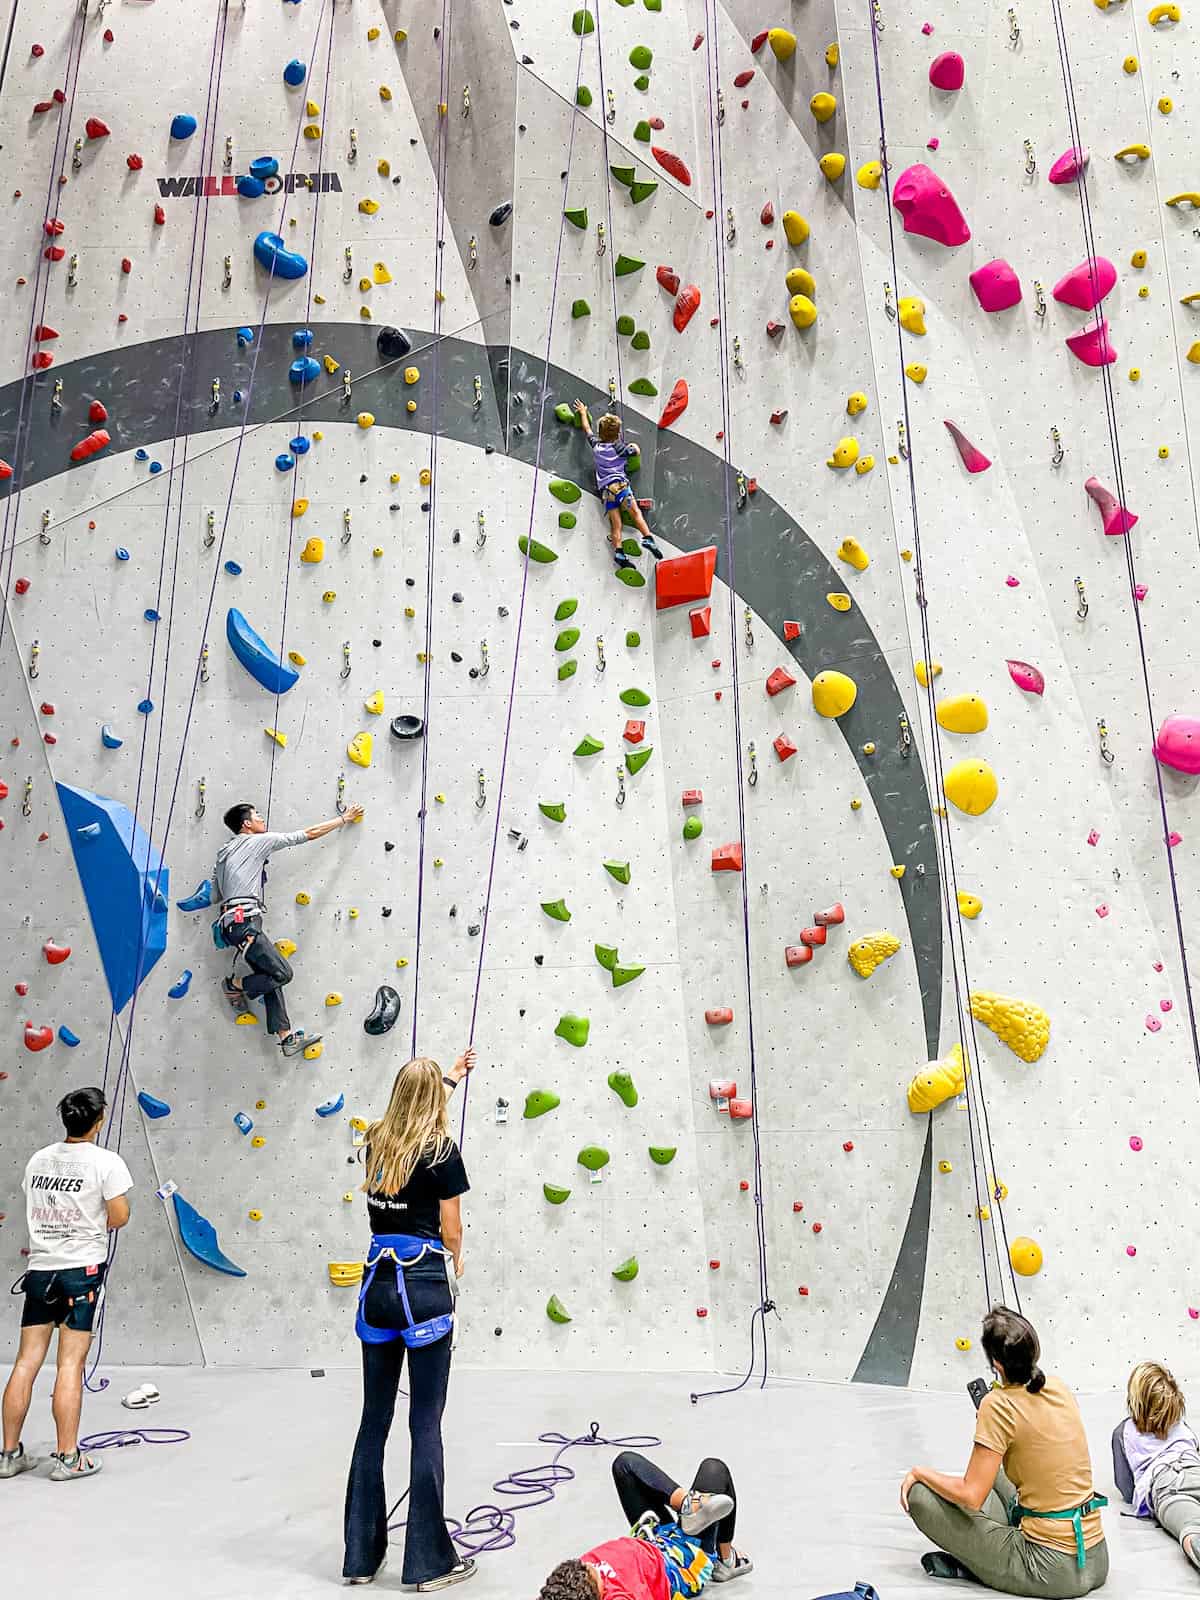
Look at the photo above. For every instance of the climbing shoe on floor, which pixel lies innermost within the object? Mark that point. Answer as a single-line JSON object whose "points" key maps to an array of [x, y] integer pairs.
{"points": [[68, 1467], [459, 1573], [700, 1511], [620, 559], [296, 1043], [938, 1564], [651, 544], [726, 1571], [14, 1462]]}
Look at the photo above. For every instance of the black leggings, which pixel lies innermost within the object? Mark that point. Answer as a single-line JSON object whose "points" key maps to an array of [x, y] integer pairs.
{"points": [[644, 1487], [268, 974]]}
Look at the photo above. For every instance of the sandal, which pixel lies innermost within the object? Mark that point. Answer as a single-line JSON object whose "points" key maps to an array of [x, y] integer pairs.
{"points": [[69, 1466], [138, 1399]]}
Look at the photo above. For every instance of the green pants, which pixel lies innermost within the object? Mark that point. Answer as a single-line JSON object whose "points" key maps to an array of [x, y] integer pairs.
{"points": [[1000, 1556]]}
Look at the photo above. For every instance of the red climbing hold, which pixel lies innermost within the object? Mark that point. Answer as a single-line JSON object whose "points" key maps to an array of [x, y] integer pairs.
{"points": [[55, 954], [697, 41], [817, 1226], [740, 1110], [833, 918], [778, 418], [635, 732], [701, 621], [109, 36], [22, 987], [702, 1312], [47, 708], [42, 106], [848, 1146], [37, 1038], [774, 329], [797, 955], [687, 303], [791, 630], [21, 587], [49, 738], [37, 51], [5, 473], [670, 162], [767, 215], [676, 404], [780, 680], [59, 97], [744, 1186], [683, 580], [721, 1088], [92, 445], [126, 264], [813, 937], [758, 41], [803, 1290], [41, 360], [727, 857], [54, 252], [668, 279], [134, 162], [743, 78], [44, 331], [797, 1205], [96, 129], [719, 1016], [692, 797], [784, 748], [97, 412], [160, 216], [53, 226]]}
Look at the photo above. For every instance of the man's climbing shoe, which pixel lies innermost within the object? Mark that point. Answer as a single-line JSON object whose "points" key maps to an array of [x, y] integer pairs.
{"points": [[459, 1573], [14, 1462], [726, 1571], [938, 1564], [700, 1511], [71, 1465], [234, 995], [651, 544], [298, 1042], [620, 559]]}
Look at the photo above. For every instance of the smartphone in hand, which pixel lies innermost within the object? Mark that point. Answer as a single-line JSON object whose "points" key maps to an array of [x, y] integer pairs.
{"points": [[977, 1388]]}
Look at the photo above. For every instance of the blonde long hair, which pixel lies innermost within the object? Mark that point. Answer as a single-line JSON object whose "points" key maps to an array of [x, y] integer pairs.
{"points": [[1155, 1400], [414, 1125]]}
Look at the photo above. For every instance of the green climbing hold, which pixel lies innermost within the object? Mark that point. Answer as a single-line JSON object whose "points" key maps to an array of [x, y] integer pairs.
{"points": [[632, 640], [693, 828], [556, 909], [580, 308], [618, 870], [573, 1029], [624, 175], [555, 1309], [625, 325], [652, 5], [640, 340], [621, 1085], [577, 216], [568, 670], [627, 264], [554, 1194], [593, 1157], [662, 1155], [627, 1271], [536, 551], [583, 95], [643, 386], [582, 23], [588, 746], [623, 975], [554, 809], [538, 1102], [565, 608], [624, 2], [606, 955], [567, 519], [629, 547], [642, 81], [633, 464], [642, 190], [630, 577], [567, 639], [640, 57], [642, 132], [566, 415], [634, 697], [566, 491], [635, 760]]}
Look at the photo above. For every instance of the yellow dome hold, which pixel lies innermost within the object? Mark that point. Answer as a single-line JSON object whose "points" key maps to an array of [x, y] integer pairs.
{"points": [[329, 596], [1138, 259], [365, 419], [359, 749], [297, 659], [833, 164], [945, 1166], [1022, 1026], [1193, 354], [279, 738], [959, 1344], [412, 374], [311, 108], [832, 55], [802, 311], [925, 670], [856, 404], [853, 554], [869, 175], [312, 130], [303, 899], [1026, 1257], [864, 464], [299, 507], [971, 786], [916, 371], [839, 602], [963, 713], [423, 477], [912, 313], [1130, 64], [823, 106], [898, 872], [800, 281], [795, 228], [313, 552], [384, 92], [871, 951], [287, 949], [783, 43], [845, 453], [410, 406], [969, 905], [245, 1019], [333, 998], [345, 1274], [368, 207], [833, 693], [314, 1051], [374, 703], [938, 1082]]}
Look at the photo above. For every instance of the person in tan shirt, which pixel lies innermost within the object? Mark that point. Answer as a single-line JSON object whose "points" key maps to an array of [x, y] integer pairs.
{"points": [[1024, 1517]]}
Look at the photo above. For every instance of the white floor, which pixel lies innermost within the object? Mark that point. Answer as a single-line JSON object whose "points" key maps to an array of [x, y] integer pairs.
{"points": [[250, 1507]]}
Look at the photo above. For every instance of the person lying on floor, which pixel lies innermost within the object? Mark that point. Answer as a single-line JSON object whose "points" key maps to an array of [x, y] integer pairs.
{"points": [[680, 1540], [1024, 1517], [1156, 1456]]}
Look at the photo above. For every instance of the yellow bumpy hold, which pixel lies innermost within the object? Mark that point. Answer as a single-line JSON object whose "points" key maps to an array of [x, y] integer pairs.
{"points": [[853, 554], [331, 364], [856, 404], [368, 207], [912, 313], [800, 281], [963, 713], [795, 229], [783, 43], [845, 454], [286, 948], [916, 372], [969, 905], [299, 507], [839, 602], [359, 749], [823, 106], [871, 951], [802, 311], [971, 786], [313, 552], [833, 693], [412, 375], [832, 164], [939, 1081], [333, 998], [869, 175], [1022, 1026], [374, 703], [345, 1274], [365, 419]]}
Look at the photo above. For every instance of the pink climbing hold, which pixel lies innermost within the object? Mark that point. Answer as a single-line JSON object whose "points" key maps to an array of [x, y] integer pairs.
{"points": [[687, 303], [1178, 744], [928, 207], [973, 457], [1026, 677], [996, 285], [1086, 285], [780, 680], [673, 164], [1092, 346], [1117, 520], [1070, 166], [947, 71], [1135, 1144], [719, 1016], [676, 404]]}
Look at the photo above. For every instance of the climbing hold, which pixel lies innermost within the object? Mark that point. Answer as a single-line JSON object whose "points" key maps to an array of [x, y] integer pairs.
{"points": [[845, 453], [869, 175], [939, 1081], [969, 905], [1177, 743], [823, 106], [1117, 519], [580, 308], [183, 125], [1022, 1026], [593, 1157], [305, 369], [996, 286], [383, 1014], [555, 810], [832, 164], [627, 1271], [365, 419], [686, 579], [573, 1029], [260, 661], [577, 216], [392, 344], [624, 265], [619, 870], [555, 1195], [853, 554], [556, 910], [91, 445], [963, 713], [295, 73], [802, 311], [869, 952], [727, 858], [1133, 152], [833, 693], [676, 405], [567, 639], [795, 228], [800, 281], [359, 749], [779, 680], [839, 602], [1026, 1257], [693, 828], [566, 491], [589, 746], [1070, 167], [55, 954], [271, 253], [719, 1016], [856, 404], [687, 302], [181, 985], [407, 727], [38, 1038], [199, 899], [1163, 13], [928, 208], [535, 550], [109, 739], [199, 1238], [152, 1106], [622, 1086], [947, 71], [971, 786], [1026, 677], [672, 164], [662, 1154], [555, 1309], [538, 1102], [912, 313], [1087, 284], [971, 455], [916, 371], [634, 697], [782, 42]]}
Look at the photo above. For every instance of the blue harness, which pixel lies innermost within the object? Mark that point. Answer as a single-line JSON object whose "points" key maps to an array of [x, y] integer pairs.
{"points": [[405, 1250]]}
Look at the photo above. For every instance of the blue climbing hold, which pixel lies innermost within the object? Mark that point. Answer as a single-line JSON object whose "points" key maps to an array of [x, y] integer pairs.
{"points": [[242, 1122], [284, 462], [152, 1106], [264, 167], [199, 898], [245, 336], [331, 1107], [232, 568], [181, 985], [68, 1038], [302, 339], [260, 661], [198, 1236], [124, 879], [237, 397], [271, 252], [250, 188], [121, 553], [141, 455], [109, 739], [183, 125], [145, 707], [295, 73], [299, 445], [156, 466], [151, 615], [305, 369]]}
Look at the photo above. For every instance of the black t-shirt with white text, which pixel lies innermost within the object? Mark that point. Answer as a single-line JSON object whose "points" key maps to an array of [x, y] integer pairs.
{"points": [[414, 1209]]}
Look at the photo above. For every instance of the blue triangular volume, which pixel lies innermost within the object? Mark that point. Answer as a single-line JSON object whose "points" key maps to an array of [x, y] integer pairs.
{"points": [[199, 1238]]}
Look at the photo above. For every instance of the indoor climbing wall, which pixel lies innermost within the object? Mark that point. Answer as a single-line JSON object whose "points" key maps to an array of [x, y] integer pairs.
{"points": [[710, 860]]}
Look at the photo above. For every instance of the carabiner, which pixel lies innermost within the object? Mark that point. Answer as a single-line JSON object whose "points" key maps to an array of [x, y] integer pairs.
{"points": [[210, 529], [905, 738], [611, 114], [204, 662], [201, 789], [472, 253], [888, 308], [43, 536], [737, 357], [477, 387], [481, 798], [35, 651], [1039, 299], [903, 436], [348, 257], [752, 775], [730, 226], [481, 539], [352, 153], [346, 526], [339, 805], [1106, 754], [1030, 158], [720, 109], [227, 280], [601, 239], [345, 673], [1056, 460], [485, 666], [747, 618], [27, 799], [620, 786], [1081, 610], [601, 664], [228, 151]]}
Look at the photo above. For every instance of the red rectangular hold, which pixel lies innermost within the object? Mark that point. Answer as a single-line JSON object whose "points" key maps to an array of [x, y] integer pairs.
{"points": [[701, 621], [722, 1088], [693, 797], [683, 580], [727, 857], [719, 1016], [740, 1110], [797, 955]]}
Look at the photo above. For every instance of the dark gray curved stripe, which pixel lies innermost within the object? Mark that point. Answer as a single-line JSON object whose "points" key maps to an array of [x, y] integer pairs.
{"points": [[779, 572]]}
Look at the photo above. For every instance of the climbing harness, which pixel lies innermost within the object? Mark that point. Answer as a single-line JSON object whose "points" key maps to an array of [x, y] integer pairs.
{"points": [[1074, 1516], [405, 1250]]}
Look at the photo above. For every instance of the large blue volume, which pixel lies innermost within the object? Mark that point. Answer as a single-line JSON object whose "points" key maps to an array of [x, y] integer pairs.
{"points": [[199, 1238], [255, 654]]}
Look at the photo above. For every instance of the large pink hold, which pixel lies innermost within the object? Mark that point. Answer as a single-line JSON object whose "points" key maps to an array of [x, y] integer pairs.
{"points": [[1093, 346], [1026, 677], [1178, 744], [996, 285], [947, 70], [1117, 520], [928, 207], [1086, 285], [973, 457], [1070, 166]]}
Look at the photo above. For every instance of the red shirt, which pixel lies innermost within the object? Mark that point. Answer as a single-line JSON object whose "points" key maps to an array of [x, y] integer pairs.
{"points": [[630, 1569]]}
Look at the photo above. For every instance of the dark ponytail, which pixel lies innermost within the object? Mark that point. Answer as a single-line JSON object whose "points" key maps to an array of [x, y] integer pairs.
{"points": [[1037, 1382], [1010, 1339]]}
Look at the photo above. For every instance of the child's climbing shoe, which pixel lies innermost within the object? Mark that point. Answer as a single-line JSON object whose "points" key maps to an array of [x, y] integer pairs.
{"points": [[73, 1464], [620, 559], [298, 1042], [651, 544], [234, 995], [938, 1564], [726, 1571], [700, 1511], [14, 1462]]}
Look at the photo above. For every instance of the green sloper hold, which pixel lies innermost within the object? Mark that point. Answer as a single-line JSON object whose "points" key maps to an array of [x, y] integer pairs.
{"points": [[588, 746], [640, 57], [567, 670], [643, 386], [640, 340], [632, 464], [630, 577], [624, 175], [627, 1271], [565, 414], [642, 132], [662, 1155], [693, 828], [593, 1157], [567, 639], [627, 264], [565, 608], [606, 955], [634, 697], [618, 870], [635, 760], [580, 308], [623, 975], [621, 1085], [537, 551], [555, 1309], [629, 547], [556, 909], [573, 1029], [567, 519], [566, 491], [652, 5], [632, 640], [554, 809], [642, 82], [554, 1194], [642, 190], [538, 1102], [577, 216], [625, 325], [582, 23], [583, 95]]}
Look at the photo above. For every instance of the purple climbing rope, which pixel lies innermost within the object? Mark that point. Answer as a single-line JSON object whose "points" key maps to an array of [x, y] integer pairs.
{"points": [[612, 260]]}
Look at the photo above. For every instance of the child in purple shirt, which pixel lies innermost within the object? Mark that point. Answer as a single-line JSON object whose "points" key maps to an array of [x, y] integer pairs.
{"points": [[1161, 1455], [609, 456]]}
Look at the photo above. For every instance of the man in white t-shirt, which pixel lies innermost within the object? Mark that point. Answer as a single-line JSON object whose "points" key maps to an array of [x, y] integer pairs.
{"points": [[75, 1196]]}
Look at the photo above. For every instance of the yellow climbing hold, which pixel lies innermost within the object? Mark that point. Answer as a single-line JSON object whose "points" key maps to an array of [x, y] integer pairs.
{"points": [[313, 552], [833, 693], [1143, 293], [1026, 1256], [329, 596], [374, 703], [939, 1081], [917, 371], [969, 905], [1135, 374], [1167, 13], [800, 281], [1130, 64], [912, 313], [971, 786], [1193, 354], [303, 899], [410, 406], [331, 366], [359, 749], [380, 273], [856, 404], [365, 419], [372, 34], [823, 106], [869, 748], [400, 35], [832, 164], [279, 738], [423, 477], [1189, 197], [795, 228], [299, 507], [287, 949], [312, 130], [245, 1019], [869, 175], [864, 464], [1022, 1026], [945, 1166], [1138, 259], [297, 659], [871, 951], [963, 713], [363, 285], [333, 998], [832, 55], [845, 453], [314, 1051], [897, 872], [383, 168], [258, 1141], [384, 92], [378, 550], [783, 43], [1136, 152], [839, 602], [802, 311], [412, 374], [368, 207], [311, 109], [853, 554], [345, 1274], [924, 670], [365, 313], [1163, 452]]}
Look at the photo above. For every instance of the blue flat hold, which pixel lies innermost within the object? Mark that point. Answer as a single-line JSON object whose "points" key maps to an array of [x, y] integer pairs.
{"points": [[264, 167], [90, 830], [302, 339], [109, 739], [295, 73], [260, 661], [242, 1122], [68, 1038], [145, 707], [299, 446], [284, 462], [306, 369], [153, 1107], [245, 336], [151, 615], [121, 553], [199, 898], [271, 252], [232, 568], [181, 985], [331, 1107], [198, 1236], [183, 125], [250, 188]]}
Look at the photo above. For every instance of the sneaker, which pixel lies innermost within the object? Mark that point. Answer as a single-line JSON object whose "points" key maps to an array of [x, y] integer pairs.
{"points": [[700, 1511], [726, 1571], [620, 559], [298, 1042], [645, 1525], [370, 1578], [69, 1465], [650, 543], [459, 1573], [14, 1462]]}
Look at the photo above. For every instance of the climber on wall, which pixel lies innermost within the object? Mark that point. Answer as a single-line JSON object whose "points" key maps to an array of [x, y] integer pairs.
{"points": [[609, 456], [239, 885], [74, 1198]]}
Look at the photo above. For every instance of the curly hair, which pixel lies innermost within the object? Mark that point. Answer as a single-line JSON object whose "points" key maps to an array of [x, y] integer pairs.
{"points": [[570, 1580]]}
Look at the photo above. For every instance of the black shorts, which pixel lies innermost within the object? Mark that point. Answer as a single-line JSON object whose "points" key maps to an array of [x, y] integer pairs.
{"points": [[68, 1298]]}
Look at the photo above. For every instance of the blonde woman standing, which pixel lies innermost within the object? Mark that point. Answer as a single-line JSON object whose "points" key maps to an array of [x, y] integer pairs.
{"points": [[415, 1178]]}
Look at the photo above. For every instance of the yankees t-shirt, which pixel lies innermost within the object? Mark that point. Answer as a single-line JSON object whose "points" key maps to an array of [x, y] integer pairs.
{"points": [[66, 1187], [415, 1209]]}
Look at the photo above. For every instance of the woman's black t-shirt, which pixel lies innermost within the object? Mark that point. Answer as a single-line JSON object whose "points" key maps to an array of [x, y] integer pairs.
{"points": [[414, 1209]]}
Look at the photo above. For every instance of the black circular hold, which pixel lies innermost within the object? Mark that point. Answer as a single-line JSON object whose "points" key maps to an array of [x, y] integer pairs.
{"points": [[407, 727], [455, 657], [388, 846], [501, 214], [384, 1012], [377, 643], [457, 598], [392, 343], [387, 911]]}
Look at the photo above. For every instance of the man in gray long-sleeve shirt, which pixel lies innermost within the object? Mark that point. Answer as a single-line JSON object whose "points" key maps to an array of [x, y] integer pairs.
{"points": [[239, 885]]}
